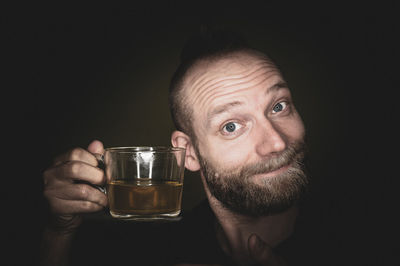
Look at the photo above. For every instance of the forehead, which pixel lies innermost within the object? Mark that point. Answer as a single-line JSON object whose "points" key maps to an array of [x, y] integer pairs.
{"points": [[211, 77], [231, 64]]}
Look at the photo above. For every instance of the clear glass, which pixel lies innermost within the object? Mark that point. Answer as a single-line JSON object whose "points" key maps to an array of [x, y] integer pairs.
{"points": [[144, 183]]}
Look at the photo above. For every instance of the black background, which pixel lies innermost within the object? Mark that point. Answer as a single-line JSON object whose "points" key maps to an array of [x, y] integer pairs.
{"points": [[77, 73]]}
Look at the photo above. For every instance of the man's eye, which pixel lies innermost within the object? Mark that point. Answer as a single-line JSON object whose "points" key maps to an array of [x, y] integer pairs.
{"points": [[231, 127], [279, 107]]}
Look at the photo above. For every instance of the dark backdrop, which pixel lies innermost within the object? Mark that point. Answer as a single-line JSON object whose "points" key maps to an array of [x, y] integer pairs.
{"points": [[78, 73]]}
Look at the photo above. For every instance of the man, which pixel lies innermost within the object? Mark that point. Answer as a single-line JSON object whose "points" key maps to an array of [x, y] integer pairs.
{"points": [[235, 116]]}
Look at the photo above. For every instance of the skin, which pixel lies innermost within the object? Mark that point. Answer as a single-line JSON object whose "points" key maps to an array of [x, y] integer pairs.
{"points": [[68, 199], [241, 89]]}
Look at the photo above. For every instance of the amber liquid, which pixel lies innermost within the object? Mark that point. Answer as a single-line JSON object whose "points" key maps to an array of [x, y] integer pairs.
{"points": [[144, 197]]}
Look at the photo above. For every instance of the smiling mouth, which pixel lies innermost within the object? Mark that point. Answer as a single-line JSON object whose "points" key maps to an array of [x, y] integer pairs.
{"points": [[273, 173]]}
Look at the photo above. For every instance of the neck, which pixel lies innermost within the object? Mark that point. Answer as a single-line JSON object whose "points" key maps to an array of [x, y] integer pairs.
{"points": [[234, 229]]}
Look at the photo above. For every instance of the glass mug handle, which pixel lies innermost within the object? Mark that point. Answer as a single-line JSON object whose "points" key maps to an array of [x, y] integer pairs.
{"points": [[101, 165]]}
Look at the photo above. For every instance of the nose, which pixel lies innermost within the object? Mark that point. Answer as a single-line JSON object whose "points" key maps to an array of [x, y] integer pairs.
{"points": [[270, 139]]}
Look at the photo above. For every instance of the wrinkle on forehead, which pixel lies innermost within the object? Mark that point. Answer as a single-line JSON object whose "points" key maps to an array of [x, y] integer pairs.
{"points": [[215, 74], [209, 83], [226, 76], [209, 68], [210, 93]]}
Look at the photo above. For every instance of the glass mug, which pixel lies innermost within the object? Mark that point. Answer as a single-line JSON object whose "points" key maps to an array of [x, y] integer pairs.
{"points": [[144, 183]]}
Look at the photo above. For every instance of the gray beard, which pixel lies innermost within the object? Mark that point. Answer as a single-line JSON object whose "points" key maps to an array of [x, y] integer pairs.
{"points": [[238, 192]]}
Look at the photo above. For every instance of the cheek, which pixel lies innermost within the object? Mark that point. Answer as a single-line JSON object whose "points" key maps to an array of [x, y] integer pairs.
{"points": [[294, 129], [228, 156]]}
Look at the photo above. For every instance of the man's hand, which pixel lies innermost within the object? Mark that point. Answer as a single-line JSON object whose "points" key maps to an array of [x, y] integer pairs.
{"points": [[262, 254], [67, 186]]}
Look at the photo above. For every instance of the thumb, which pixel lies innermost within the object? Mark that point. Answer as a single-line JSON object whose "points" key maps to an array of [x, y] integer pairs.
{"points": [[96, 146], [262, 253]]}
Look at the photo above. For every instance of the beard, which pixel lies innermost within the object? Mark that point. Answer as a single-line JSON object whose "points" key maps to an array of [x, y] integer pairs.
{"points": [[240, 192]]}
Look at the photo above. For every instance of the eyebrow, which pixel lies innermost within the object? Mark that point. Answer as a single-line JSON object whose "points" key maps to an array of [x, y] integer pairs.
{"points": [[277, 87], [225, 107]]}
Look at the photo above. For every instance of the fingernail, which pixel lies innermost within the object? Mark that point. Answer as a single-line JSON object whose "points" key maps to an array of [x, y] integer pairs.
{"points": [[257, 243]]}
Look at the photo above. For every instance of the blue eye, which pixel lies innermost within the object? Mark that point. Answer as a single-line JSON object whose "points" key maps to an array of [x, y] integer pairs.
{"points": [[279, 107], [231, 127]]}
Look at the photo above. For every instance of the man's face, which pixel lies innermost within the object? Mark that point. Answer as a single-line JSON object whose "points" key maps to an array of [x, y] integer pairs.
{"points": [[248, 134]]}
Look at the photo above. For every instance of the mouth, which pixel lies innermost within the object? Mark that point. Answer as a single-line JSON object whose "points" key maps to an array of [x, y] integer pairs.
{"points": [[273, 173]]}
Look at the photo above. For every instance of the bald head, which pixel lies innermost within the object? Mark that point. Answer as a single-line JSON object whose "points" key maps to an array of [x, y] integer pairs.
{"points": [[191, 77]]}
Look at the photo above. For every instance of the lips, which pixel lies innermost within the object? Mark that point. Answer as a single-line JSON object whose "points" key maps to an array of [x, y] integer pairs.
{"points": [[272, 173]]}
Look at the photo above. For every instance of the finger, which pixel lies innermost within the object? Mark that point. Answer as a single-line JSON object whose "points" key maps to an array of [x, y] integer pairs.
{"points": [[96, 146], [81, 192], [78, 171], [261, 252], [61, 206], [76, 154]]}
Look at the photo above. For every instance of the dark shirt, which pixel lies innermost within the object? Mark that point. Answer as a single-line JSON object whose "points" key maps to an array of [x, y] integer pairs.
{"points": [[191, 240]]}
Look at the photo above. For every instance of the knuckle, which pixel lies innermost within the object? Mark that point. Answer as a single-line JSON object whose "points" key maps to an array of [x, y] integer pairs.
{"points": [[83, 192], [88, 206], [75, 154], [74, 168], [99, 177]]}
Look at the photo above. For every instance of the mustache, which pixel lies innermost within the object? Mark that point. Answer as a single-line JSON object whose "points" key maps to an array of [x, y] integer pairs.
{"points": [[293, 154]]}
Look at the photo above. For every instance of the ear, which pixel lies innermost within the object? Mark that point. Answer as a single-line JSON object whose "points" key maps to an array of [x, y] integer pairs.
{"points": [[180, 139]]}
